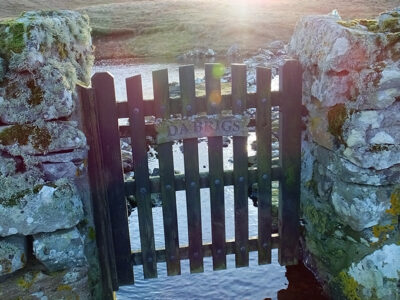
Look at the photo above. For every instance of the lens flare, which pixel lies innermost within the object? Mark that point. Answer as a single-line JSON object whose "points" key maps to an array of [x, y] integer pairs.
{"points": [[218, 71], [215, 98]]}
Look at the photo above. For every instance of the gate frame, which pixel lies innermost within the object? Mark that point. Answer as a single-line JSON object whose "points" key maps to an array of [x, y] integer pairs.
{"points": [[100, 109]]}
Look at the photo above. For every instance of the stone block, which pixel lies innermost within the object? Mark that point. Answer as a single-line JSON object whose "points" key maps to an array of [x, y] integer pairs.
{"points": [[60, 250], [378, 274], [360, 206], [42, 207], [13, 254], [41, 138]]}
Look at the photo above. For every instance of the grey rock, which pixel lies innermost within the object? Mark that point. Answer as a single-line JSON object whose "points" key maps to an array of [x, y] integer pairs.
{"points": [[76, 156], [13, 254], [2, 69], [60, 250], [390, 21], [349, 172], [378, 271], [45, 137], [276, 46], [127, 160], [233, 51], [322, 42], [210, 53], [7, 166], [55, 171], [361, 206], [43, 207]]}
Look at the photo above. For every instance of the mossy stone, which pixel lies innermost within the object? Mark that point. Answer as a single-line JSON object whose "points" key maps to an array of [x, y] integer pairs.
{"points": [[337, 116], [12, 38], [390, 25], [22, 134], [36, 93]]}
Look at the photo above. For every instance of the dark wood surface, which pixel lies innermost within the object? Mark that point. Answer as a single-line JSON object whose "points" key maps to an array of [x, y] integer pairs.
{"points": [[167, 182], [175, 107], [290, 158], [216, 171], [264, 164], [191, 162], [141, 169], [101, 216], [103, 84], [240, 165]]}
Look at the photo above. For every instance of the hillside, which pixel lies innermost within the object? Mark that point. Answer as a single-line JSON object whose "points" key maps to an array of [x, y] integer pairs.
{"points": [[167, 28]]}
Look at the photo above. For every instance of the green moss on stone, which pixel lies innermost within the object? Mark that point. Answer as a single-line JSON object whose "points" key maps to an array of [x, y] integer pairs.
{"points": [[15, 199], [36, 93], [91, 234], [372, 25], [320, 221], [337, 116], [62, 50], [16, 134], [390, 24], [11, 37], [22, 134], [375, 148], [349, 286]]}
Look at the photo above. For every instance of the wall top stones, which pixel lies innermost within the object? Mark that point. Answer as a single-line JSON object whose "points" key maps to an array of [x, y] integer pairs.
{"points": [[42, 56]]}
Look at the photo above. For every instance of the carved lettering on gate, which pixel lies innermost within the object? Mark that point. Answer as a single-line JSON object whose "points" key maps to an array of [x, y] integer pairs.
{"points": [[201, 126]]}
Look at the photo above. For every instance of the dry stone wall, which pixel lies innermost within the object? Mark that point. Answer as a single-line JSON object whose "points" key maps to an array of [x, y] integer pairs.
{"points": [[46, 228], [351, 152]]}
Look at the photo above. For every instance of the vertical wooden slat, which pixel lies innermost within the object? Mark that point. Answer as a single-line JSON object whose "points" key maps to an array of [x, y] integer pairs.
{"points": [[263, 133], [103, 84], [191, 160], [104, 239], [166, 164], [216, 169], [141, 168], [239, 92], [290, 78]]}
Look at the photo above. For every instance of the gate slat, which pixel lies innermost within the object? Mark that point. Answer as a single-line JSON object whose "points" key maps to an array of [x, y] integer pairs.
{"points": [[167, 181], [216, 170], [239, 91], [101, 215], [141, 169], [290, 78], [103, 83], [191, 161], [263, 132]]}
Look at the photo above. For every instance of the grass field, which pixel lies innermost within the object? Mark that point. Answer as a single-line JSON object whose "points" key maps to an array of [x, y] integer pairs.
{"points": [[167, 28]]}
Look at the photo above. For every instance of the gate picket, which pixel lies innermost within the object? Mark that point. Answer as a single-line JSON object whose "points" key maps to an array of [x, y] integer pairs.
{"points": [[290, 80], [104, 238], [191, 161], [103, 83], [216, 169], [167, 177], [141, 169], [240, 164], [263, 133]]}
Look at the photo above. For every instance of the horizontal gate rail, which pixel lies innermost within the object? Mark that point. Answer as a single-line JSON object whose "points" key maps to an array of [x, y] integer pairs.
{"points": [[207, 250], [201, 104], [204, 180]]}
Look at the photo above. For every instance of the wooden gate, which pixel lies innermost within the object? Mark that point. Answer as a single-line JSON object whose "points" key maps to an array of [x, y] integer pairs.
{"points": [[192, 117]]}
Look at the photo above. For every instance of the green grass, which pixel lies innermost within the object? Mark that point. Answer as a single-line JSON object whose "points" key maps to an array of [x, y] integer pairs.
{"points": [[166, 28]]}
